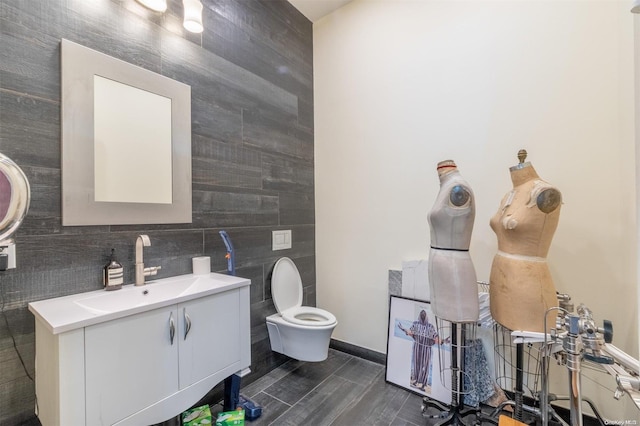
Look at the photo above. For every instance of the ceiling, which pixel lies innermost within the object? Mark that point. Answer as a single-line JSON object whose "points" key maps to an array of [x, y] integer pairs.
{"points": [[316, 9]]}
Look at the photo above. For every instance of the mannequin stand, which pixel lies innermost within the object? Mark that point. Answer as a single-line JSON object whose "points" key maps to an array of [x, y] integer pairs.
{"points": [[518, 392], [457, 412], [522, 377]]}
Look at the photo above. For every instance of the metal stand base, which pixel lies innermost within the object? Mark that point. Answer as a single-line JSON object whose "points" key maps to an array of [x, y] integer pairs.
{"points": [[454, 415]]}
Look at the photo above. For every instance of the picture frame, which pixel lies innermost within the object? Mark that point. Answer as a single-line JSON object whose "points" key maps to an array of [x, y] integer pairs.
{"points": [[415, 359]]}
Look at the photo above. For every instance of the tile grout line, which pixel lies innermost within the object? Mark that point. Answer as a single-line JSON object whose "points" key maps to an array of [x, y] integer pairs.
{"points": [[355, 401], [299, 399], [279, 400]]}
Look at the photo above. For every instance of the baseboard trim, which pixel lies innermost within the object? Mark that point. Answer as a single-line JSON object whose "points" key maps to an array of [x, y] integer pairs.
{"points": [[360, 352]]}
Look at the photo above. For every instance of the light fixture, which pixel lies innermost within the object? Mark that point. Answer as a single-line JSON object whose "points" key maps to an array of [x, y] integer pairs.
{"points": [[635, 6], [192, 15], [156, 5]]}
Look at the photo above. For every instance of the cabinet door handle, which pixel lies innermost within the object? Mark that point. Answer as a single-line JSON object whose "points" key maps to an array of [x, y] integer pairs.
{"points": [[172, 328], [187, 323]]}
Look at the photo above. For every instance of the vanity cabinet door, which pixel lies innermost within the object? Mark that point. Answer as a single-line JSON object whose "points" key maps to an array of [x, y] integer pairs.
{"points": [[130, 363], [209, 335]]}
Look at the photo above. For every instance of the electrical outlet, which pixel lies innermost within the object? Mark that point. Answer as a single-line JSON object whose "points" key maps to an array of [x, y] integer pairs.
{"points": [[7, 257]]}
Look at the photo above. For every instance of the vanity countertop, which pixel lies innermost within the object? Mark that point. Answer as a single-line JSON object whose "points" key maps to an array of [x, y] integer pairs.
{"points": [[80, 310]]}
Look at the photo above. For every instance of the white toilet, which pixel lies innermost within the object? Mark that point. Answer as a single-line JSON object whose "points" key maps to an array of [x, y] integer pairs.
{"points": [[300, 332]]}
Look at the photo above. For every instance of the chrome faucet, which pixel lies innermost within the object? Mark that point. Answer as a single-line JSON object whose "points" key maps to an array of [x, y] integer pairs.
{"points": [[141, 271]]}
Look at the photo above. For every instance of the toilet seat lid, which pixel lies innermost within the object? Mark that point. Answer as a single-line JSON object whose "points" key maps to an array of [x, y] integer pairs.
{"points": [[286, 285]]}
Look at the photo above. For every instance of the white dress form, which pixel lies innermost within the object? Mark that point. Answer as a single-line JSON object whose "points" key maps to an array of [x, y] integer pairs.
{"points": [[452, 277]]}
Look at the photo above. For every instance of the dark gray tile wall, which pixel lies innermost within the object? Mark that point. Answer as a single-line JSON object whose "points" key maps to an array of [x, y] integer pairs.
{"points": [[251, 74]]}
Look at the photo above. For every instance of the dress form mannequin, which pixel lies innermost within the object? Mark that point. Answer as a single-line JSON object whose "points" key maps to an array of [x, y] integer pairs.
{"points": [[452, 282], [521, 288], [452, 277]]}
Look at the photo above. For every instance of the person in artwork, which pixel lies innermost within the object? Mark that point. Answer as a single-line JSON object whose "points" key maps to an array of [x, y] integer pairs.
{"points": [[424, 335]]}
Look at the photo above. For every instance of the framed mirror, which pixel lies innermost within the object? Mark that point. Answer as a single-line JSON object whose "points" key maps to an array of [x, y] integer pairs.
{"points": [[15, 195], [126, 142]]}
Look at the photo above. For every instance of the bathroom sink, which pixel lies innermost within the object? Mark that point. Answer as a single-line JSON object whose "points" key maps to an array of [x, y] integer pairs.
{"points": [[75, 311], [132, 296]]}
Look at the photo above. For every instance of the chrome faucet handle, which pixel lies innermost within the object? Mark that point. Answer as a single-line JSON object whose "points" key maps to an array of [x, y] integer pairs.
{"points": [[152, 270]]}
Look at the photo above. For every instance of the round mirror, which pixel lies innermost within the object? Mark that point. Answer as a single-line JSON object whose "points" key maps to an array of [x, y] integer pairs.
{"points": [[14, 197]]}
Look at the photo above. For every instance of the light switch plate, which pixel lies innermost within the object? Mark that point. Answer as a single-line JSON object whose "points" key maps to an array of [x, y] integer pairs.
{"points": [[281, 240]]}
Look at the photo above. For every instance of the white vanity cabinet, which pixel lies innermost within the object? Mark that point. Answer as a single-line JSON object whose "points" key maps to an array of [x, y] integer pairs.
{"points": [[143, 367], [136, 346], [208, 336]]}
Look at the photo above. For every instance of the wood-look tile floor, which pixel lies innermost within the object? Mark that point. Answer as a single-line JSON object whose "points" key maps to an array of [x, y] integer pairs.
{"points": [[343, 390]]}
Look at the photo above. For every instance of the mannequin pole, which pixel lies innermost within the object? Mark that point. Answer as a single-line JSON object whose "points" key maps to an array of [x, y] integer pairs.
{"points": [[518, 391]]}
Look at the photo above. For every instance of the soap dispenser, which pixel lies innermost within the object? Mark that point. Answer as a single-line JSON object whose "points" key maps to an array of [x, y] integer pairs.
{"points": [[113, 275]]}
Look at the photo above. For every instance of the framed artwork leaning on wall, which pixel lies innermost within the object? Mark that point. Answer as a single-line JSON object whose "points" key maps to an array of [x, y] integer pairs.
{"points": [[415, 355]]}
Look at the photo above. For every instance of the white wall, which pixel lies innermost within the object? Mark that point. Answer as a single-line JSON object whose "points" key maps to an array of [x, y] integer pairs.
{"points": [[400, 85], [637, 131]]}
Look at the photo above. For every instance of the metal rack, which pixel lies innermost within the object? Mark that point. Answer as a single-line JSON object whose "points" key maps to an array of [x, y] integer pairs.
{"points": [[458, 372], [522, 369], [573, 340], [580, 340], [521, 362], [457, 334]]}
